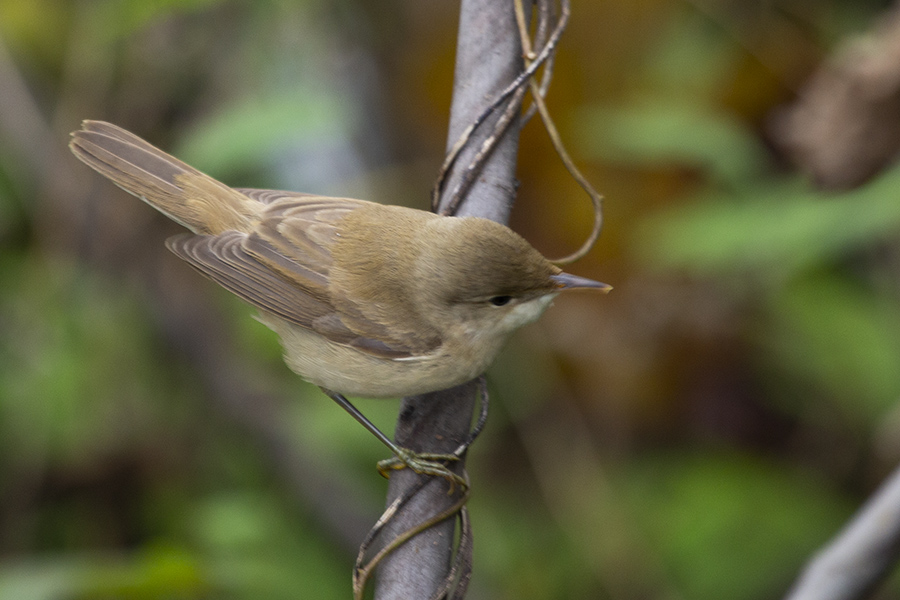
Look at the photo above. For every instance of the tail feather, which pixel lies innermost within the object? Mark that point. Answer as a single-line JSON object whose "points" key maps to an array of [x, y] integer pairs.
{"points": [[176, 189]]}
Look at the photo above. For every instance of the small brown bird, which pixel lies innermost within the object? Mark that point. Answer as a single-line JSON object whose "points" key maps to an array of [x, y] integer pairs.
{"points": [[367, 299]]}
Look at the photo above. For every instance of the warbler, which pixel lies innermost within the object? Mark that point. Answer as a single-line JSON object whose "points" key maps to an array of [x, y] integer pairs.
{"points": [[367, 299]]}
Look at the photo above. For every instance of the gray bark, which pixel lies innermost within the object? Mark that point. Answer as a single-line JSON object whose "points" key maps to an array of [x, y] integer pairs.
{"points": [[861, 556], [489, 56]]}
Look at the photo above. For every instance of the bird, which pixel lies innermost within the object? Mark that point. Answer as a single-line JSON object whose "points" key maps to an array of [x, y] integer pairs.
{"points": [[367, 299]]}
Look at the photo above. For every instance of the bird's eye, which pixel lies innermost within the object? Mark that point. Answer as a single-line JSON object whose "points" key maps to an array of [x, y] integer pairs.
{"points": [[500, 300]]}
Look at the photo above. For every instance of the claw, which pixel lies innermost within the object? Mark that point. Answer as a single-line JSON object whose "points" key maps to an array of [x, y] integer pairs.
{"points": [[424, 464]]}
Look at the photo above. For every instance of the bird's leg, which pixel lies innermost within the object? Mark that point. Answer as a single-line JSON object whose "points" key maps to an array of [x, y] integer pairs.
{"points": [[422, 463]]}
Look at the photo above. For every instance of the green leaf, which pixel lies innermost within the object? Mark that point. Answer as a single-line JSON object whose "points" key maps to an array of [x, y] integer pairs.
{"points": [[774, 230], [158, 572], [670, 132], [251, 131]]}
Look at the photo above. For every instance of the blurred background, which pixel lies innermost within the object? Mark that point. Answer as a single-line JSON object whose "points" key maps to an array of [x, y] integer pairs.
{"points": [[695, 434]]}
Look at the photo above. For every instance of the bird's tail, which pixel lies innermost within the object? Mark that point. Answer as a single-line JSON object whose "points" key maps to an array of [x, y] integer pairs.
{"points": [[174, 188]]}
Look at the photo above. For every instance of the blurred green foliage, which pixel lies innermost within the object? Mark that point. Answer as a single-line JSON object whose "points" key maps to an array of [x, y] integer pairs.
{"points": [[710, 504], [257, 128], [633, 451], [64, 328]]}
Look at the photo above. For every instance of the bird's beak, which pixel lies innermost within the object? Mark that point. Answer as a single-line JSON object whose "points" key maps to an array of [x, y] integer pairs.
{"points": [[565, 281]]}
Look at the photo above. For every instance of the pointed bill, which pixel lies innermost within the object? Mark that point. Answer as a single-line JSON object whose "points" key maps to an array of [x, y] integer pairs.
{"points": [[566, 281]]}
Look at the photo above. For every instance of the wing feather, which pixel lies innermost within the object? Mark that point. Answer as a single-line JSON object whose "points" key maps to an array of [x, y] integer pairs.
{"points": [[222, 259], [282, 267]]}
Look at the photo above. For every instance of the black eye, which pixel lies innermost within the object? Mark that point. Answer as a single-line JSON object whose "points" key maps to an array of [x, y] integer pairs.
{"points": [[500, 300]]}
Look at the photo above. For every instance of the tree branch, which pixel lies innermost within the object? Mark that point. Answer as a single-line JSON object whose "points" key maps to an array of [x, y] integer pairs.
{"points": [[489, 57], [861, 556]]}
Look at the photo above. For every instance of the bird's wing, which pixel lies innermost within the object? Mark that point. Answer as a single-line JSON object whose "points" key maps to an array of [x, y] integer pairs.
{"points": [[282, 267], [270, 196]]}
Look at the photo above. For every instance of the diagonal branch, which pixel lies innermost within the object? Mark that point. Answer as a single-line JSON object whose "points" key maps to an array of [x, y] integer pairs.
{"points": [[861, 556]]}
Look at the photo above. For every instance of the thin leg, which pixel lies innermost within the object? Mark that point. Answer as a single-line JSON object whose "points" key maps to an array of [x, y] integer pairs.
{"points": [[425, 464], [356, 414], [482, 414]]}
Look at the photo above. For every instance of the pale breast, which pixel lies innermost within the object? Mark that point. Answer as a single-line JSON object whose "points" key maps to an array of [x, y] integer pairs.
{"points": [[344, 369]]}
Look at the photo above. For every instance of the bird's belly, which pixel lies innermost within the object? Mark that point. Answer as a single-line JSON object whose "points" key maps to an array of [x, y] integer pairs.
{"points": [[352, 372]]}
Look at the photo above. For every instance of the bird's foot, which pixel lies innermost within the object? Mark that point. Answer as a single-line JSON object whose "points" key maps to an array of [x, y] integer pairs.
{"points": [[424, 464]]}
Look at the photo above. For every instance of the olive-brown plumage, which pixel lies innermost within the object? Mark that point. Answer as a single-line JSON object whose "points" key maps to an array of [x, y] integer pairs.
{"points": [[368, 299]]}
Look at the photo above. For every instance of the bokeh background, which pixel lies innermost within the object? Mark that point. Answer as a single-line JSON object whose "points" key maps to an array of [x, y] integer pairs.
{"points": [[695, 434]]}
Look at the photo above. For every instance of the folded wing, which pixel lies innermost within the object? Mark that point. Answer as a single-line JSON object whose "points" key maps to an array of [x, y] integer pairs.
{"points": [[282, 267]]}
